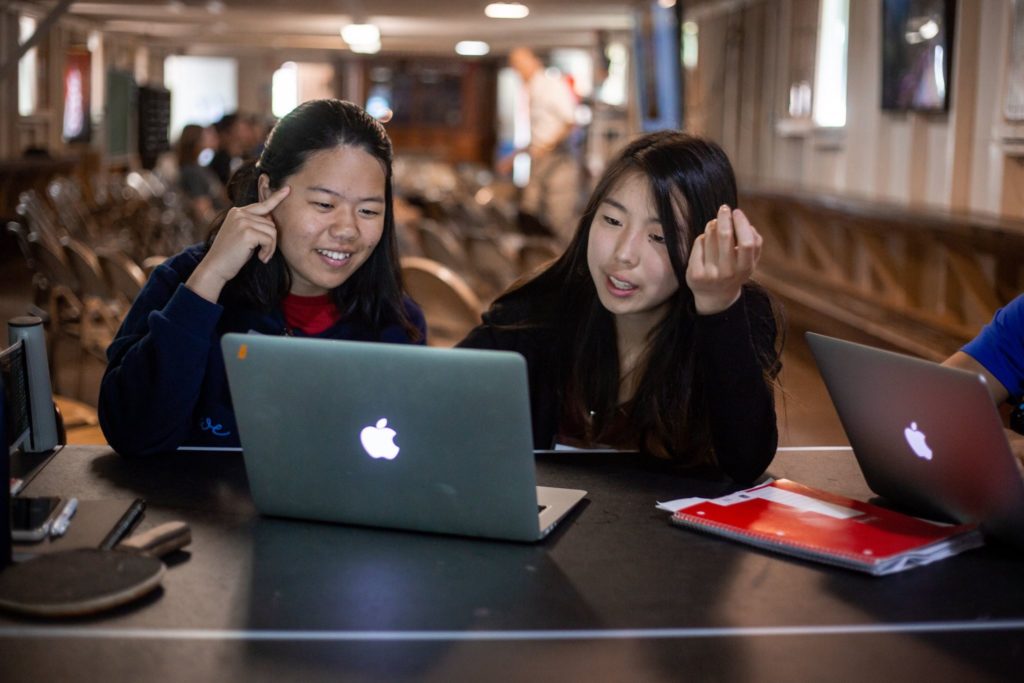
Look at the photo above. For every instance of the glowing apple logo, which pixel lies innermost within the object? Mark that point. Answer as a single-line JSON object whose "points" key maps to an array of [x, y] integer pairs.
{"points": [[379, 441], [916, 439]]}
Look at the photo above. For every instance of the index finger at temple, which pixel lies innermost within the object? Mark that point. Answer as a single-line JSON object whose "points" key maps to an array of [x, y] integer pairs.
{"points": [[271, 202]]}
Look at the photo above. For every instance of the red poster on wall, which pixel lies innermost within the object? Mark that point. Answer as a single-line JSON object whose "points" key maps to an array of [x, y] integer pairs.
{"points": [[77, 123]]}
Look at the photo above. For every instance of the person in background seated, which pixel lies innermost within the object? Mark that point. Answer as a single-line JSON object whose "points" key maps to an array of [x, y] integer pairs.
{"points": [[234, 140], [647, 333], [997, 353], [205, 193], [308, 250]]}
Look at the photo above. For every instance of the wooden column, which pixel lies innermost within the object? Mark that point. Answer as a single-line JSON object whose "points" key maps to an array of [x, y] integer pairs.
{"points": [[8, 85], [964, 101]]}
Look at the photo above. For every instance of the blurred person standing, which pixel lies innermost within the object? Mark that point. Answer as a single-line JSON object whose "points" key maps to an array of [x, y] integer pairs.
{"points": [[552, 194]]}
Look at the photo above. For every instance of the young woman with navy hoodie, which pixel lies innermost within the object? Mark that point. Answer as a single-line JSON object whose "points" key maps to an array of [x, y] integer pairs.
{"points": [[309, 249]]}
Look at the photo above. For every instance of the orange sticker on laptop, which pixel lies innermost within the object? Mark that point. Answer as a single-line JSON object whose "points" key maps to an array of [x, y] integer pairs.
{"points": [[242, 351]]}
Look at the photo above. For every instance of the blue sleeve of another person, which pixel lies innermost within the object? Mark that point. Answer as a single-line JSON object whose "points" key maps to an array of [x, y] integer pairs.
{"points": [[1000, 346]]}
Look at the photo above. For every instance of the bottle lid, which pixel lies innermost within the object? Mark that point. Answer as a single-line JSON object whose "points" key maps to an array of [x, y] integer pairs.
{"points": [[25, 321]]}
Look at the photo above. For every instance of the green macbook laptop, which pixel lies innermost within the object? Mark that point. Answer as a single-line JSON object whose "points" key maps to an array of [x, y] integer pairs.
{"points": [[390, 435]]}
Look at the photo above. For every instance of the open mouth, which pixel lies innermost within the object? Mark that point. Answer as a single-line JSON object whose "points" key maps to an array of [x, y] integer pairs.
{"points": [[334, 256], [621, 285]]}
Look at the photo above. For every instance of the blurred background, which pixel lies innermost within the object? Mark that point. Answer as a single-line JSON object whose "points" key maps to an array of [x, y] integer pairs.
{"points": [[879, 146]]}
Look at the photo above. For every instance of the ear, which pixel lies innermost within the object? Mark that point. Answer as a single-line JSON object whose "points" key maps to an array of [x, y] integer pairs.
{"points": [[263, 187]]}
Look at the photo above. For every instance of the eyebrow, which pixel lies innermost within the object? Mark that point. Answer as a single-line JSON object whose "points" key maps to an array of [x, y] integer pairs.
{"points": [[317, 188], [623, 209]]}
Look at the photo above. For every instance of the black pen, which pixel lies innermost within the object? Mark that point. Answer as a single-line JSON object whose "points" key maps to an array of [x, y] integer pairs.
{"points": [[124, 525]]}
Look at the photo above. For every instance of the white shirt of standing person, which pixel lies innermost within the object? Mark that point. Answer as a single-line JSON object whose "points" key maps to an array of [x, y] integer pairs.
{"points": [[552, 110]]}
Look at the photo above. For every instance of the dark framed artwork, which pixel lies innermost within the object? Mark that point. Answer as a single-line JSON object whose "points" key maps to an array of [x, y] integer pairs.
{"points": [[917, 54]]}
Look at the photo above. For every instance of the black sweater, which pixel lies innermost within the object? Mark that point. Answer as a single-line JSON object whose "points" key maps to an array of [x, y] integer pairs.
{"points": [[731, 350]]}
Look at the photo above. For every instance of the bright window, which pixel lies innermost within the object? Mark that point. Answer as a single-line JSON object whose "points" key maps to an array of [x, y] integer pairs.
{"points": [[830, 66], [285, 89], [613, 89], [28, 96], [203, 89], [690, 44]]}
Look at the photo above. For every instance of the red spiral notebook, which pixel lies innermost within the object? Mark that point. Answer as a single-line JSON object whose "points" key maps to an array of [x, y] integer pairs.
{"points": [[798, 520]]}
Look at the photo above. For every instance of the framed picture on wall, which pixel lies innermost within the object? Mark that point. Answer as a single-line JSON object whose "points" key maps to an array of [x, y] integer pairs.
{"points": [[917, 54], [77, 124], [1014, 108]]}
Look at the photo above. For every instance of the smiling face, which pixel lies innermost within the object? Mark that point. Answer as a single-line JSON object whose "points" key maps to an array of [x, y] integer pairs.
{"points": [[333, 219], [627, 256]]}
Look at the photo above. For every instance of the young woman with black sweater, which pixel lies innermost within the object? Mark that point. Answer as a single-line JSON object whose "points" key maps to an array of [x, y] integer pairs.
{"points": [[648, 333]]}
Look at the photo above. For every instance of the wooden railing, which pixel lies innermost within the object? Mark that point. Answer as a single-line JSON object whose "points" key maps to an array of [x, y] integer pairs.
{"points": [[919, 280]]}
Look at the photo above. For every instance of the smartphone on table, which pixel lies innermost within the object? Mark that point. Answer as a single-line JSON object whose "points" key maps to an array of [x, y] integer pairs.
{"points": [[32, 516]]}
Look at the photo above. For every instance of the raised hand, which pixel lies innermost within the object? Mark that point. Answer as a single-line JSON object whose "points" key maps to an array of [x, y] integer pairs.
{"points": [[246, 230], [722, 259]]}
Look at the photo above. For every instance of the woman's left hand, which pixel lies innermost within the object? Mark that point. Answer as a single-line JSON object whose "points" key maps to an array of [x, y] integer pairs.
{"points": [[722, 259]]}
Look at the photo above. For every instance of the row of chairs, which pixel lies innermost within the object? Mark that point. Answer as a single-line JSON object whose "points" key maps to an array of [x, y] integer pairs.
{"points": [[84, 278], [454, 280], [464, 224], [91, 251]]}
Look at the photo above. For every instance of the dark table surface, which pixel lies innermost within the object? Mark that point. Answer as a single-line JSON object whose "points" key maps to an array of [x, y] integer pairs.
{"points": [[615, 593]]}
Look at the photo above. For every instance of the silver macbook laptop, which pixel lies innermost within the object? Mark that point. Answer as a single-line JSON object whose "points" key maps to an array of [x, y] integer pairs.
{"points": [[390, 435], [926, 436]]}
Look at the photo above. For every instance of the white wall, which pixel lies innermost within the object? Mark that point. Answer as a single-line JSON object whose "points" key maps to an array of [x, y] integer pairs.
{"points": [[908, 158]]}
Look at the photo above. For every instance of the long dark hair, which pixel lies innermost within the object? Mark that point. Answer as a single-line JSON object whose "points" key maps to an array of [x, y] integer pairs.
{"points": [[667, 415], [189, 145], [373, 293]]}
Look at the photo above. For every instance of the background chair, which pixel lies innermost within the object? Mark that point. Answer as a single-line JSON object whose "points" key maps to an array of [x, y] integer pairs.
{"points": [[494, 262], [440, 244], [449, 304], [125, 277], [537, 252]]}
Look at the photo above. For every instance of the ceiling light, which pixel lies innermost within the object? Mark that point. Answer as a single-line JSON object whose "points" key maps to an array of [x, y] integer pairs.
{"points": [[354, 34], [365, 48], [472, 48], [506, 10]]}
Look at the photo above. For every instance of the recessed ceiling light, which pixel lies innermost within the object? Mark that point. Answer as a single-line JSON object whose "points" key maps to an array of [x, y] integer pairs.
{"points": [[472, 48], [506, 10], [354, 34], [365, 48]]}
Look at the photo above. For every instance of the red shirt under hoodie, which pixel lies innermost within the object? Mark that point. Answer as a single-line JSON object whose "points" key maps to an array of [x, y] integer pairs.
{"points": [[310, 314]]}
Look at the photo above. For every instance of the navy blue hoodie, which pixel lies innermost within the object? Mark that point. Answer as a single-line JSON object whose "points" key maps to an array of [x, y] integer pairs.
{"points": [[165, 385]]}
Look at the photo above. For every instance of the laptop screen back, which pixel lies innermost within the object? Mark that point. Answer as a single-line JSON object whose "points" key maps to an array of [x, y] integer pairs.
{"points": [[926, 436], [386, 435]]}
